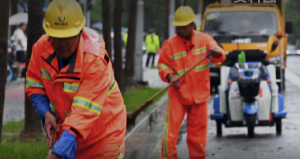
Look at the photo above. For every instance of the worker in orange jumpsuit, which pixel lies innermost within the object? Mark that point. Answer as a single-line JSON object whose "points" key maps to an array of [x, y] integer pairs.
{"points": [[71, 83], [190, 94]]}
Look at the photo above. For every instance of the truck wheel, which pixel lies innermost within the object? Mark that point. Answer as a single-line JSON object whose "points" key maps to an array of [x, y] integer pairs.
{"points": [[219, 128], [278, 126], [250, 119]]}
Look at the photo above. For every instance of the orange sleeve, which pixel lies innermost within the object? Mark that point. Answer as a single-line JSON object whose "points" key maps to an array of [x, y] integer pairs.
{"points": [[164, 63], [34, 84], [89, 100], [212, 44]]}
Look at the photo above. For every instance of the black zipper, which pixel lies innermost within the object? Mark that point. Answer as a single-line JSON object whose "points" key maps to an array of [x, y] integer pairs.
{"points": [[69, 73], [75, 78], [50, 65]]}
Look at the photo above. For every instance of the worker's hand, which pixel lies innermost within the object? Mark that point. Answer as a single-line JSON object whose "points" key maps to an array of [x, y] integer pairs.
{"points": [[173, 78], [50, 122], [53, 156], [215, 53]]}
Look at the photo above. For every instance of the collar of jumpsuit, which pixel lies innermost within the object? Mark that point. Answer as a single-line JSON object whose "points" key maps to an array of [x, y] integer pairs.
{"points": [[189, 44], [73, 66], [64, 62]]}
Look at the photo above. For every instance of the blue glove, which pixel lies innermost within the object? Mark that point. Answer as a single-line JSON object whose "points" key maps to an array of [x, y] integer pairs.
{"points": [[66, 146], [41, 104]]}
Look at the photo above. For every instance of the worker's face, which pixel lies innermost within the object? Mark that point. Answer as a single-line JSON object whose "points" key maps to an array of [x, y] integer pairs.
{"points": [[65, 47], [185, 31]]}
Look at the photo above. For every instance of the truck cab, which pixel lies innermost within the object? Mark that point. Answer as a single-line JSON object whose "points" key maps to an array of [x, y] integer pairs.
{"points": [[248, 26]]}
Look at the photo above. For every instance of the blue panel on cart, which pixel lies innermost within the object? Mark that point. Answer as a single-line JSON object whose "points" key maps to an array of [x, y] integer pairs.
{"points": [[280, 114], [250, 109], [217, 104], [280, 103]]}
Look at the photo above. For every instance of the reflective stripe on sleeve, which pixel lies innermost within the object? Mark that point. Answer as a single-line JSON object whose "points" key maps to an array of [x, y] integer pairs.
{"points": [[87, 104], [33, 83], [45, 74]]}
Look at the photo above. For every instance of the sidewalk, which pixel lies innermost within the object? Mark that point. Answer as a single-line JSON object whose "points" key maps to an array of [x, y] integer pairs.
{"points": [[14, 102], [151, 75]]}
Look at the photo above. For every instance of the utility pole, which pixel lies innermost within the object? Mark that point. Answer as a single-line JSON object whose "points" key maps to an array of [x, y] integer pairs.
{"points": [[171, 17], [139, 42]]}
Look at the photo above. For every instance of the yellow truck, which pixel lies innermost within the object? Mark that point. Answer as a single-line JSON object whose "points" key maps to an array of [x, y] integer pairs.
{"points": [[248, 25]]}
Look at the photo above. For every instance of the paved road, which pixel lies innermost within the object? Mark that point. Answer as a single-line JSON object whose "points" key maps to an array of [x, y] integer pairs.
{"points": [[266, 145]]}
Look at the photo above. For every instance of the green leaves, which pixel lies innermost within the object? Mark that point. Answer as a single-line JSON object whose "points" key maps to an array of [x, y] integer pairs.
{"points": [[292, 13]]}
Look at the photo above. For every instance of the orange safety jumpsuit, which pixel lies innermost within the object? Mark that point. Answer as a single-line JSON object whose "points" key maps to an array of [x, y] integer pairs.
{"points": [[177, 56], [84, 95]]}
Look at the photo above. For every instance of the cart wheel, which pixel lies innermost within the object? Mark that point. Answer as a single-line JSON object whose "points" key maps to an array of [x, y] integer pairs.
{"points": [[219, 128], [278, 126], [251, 124]]}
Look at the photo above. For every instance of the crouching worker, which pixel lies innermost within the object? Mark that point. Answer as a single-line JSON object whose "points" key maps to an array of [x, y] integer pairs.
{"points": [[71, 83]]}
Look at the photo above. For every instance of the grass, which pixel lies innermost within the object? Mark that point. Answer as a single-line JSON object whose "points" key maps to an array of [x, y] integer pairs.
{"points": [[135, 97], [14, 147], [13, 126]]}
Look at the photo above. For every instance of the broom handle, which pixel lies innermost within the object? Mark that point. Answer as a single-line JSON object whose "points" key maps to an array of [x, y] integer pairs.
{"points": [[160, 92], [52, 140]]}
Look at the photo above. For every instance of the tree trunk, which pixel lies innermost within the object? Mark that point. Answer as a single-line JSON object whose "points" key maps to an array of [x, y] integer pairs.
{"points": [[106, 21], [177, 4], [167, 18], [33, 125], [130, 48], [14, 10], [4, 7], [118, 61]]}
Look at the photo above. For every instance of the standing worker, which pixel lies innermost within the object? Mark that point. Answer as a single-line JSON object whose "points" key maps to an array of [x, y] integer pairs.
{"points": [[191, 93], [152, 44], [72, 86], [20, 45], [125, 38]]}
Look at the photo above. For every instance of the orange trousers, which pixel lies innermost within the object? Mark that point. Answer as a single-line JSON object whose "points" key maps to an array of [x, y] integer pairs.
{"points": [[197, 123]]}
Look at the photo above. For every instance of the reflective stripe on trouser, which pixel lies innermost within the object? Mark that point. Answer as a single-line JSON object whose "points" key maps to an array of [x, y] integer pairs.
{"points": [[197, 122], [121, 156]]}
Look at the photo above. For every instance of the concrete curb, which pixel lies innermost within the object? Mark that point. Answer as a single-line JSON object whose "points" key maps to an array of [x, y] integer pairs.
{"points": [[141, 140]]}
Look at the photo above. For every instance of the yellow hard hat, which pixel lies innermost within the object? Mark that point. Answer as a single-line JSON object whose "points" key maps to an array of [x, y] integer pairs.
{"points": [[184, 15], [63, 19]]}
